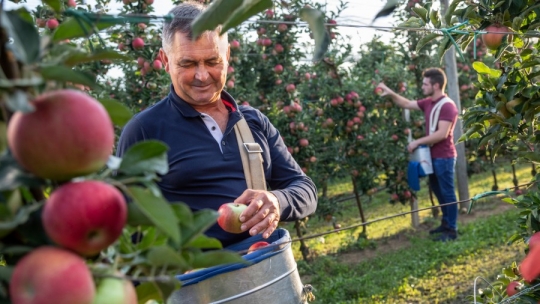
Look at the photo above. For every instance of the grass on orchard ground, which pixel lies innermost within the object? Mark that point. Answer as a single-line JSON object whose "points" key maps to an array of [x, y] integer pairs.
{"points": [[379, 207], [424, 272]]}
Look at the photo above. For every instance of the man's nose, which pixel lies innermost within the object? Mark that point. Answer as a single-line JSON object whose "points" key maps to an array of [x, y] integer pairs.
{"points": [[201, 73]]}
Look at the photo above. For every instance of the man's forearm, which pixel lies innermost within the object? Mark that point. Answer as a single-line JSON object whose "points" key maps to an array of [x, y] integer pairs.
{"points": [[298, 200], [431, 139], [399, 100]]}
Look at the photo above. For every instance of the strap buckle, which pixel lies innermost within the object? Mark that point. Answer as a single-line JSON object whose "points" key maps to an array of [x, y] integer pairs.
{"points": [[253, 148]]}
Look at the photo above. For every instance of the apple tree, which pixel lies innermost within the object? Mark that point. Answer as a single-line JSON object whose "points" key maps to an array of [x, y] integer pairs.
{"points": [[58, 175], [504, 115]]}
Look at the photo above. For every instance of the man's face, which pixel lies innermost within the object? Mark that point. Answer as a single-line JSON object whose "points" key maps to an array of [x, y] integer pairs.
{"points": [[198, 69], [427, 87]]}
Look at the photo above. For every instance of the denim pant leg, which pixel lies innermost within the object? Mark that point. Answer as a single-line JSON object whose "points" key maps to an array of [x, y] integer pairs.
{"points": [[442, 181]]}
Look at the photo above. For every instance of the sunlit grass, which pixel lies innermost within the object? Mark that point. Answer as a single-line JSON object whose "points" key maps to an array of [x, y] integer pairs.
{"points": [[380, 207], [424, 272]]}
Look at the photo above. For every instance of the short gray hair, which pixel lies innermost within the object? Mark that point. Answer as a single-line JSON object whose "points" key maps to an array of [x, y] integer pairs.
{"points": [[182, 16]]}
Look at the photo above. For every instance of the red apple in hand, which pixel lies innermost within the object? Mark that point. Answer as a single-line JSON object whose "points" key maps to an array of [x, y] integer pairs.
{"points": [[85, 217], [257, 245], [51, 275], [378, 91], [229, 217]]}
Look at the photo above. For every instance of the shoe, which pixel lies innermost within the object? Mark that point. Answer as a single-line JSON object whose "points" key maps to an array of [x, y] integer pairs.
{"points": [[439, 229], [448, 235]]}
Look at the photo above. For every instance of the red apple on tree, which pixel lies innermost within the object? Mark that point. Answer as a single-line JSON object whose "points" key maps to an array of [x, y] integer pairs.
{"points": [[157, 65], [235, 44], [494, 36], [137, 43], [229, 217], [378, 91], [52, 24], [513, 288], [534, 240], [48, 273], [278, 69], [303, 142], [85, 217], [69, 134], [257, 245], [290, 88]]}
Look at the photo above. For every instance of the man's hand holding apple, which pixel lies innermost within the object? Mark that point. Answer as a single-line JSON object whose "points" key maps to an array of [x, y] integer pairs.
{"points": [[382, 90], [262, 214]]}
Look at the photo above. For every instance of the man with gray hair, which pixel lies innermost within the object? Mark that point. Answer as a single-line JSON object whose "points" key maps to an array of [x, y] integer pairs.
{"points": [[196, 120]]}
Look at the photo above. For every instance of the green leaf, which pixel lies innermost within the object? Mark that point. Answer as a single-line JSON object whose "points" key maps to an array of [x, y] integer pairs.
{"points": [[66, 74], [532, 156], [158, 210], [3, 136], [217, 13], [167, 288], [26, 41], [148, 292], [22, 216], [166, 256], [71, 28], [422, 13], [119, 113], [247, 9], [145, 156], [444, 45], [5, 273], [434, 18], [136, 217], [450, 11], [56, 5], [482, 68], [101, 54], [13, 176], [315, 20], [202, 220], [204, 242], [219, 257], [425, 40], [19, 101], [183, 213]]}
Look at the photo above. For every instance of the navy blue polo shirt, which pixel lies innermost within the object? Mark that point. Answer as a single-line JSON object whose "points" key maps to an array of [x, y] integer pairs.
{"points": [[204, 176]]}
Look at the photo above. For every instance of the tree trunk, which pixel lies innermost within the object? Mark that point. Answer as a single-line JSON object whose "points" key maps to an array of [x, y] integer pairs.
{"points": [[359, 204], [304, 249]]}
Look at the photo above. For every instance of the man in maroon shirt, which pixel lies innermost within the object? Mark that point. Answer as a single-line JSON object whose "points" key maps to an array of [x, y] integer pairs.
{"points": [[441, 142]]}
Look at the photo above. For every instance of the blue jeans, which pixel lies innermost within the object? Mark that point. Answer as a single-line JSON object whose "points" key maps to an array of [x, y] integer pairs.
{"points": [[442, 184]]}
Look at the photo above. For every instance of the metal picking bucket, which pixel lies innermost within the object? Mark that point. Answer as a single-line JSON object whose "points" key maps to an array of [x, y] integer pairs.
{"points": [[271, 278], [422, 155]]}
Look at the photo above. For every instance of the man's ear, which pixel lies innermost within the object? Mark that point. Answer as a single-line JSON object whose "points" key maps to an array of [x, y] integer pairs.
{"points": [[164, 59]]}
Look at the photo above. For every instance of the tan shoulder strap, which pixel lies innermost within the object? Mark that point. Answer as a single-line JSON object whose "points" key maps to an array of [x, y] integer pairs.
{"points": [[252, 160], [434, 115]]}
